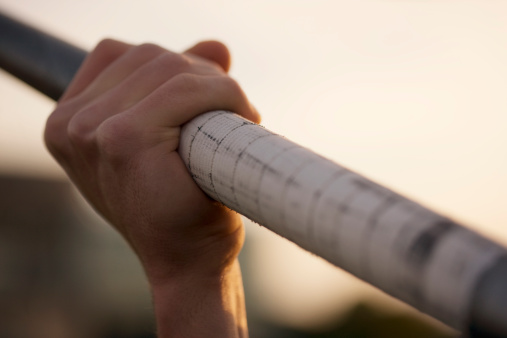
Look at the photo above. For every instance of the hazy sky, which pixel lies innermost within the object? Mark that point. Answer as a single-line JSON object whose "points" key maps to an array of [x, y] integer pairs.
{"points": [[410, 93]]}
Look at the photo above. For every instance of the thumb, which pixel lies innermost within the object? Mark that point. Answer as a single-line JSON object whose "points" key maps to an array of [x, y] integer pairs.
{"points": [[213, 51]]}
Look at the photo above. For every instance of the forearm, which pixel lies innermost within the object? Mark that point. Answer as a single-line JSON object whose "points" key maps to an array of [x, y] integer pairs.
{"points": [[193, 306]]}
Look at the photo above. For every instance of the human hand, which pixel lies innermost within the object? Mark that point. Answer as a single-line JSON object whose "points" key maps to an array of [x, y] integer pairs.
{"points": [[116, 132]]}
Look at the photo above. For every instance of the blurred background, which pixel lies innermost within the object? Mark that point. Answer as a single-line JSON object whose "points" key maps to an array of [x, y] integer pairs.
{"points": [[412, 94]]}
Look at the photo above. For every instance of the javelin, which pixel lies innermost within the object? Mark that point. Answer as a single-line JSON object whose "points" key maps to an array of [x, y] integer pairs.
{"points": [[408, 251]]}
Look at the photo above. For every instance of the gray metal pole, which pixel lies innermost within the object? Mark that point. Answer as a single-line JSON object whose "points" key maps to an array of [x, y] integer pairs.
{"points": [[42, 61], [48, 65], [488, 317]]}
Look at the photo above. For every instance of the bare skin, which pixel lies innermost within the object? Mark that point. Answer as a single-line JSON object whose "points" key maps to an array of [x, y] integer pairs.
{"points": [[116, 132]]}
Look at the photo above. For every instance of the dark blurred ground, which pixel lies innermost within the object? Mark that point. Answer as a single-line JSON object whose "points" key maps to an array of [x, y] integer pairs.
{"points": [[64, 274]]}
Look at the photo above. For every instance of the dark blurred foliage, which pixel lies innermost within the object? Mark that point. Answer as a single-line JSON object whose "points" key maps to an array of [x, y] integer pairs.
{"points": [[362, 321]]}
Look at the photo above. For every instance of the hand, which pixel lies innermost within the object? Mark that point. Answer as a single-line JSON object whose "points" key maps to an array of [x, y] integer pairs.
{"points": [[116, 132]]}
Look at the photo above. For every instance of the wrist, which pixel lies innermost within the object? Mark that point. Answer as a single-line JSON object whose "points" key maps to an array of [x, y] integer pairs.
{"points": [[183, 259], [201, 305]]}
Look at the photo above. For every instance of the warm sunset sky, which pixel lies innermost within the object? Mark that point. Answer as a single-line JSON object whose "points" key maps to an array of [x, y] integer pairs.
{"points": [[413, 94]]}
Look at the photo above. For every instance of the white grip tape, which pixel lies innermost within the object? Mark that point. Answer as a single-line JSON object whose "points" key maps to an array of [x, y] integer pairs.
{"points": [[377, 235]]}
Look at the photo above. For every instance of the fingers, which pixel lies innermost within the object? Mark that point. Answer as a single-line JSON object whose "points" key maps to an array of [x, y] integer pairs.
{"points": [[156, 120], [139, 70], [136, 87], [107, 66], [155, 88]]}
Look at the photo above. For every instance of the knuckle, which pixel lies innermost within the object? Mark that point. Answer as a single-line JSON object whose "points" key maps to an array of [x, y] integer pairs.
{"points": [[169, 60], [105, 48], [147, 49], [54, 134], [79, 129], [232, 85], [105, 44], [113, 137]]}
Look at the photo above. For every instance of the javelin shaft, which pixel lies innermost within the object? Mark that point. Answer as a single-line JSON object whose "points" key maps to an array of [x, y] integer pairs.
{"points": [[397, 245], [278, 193]]}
